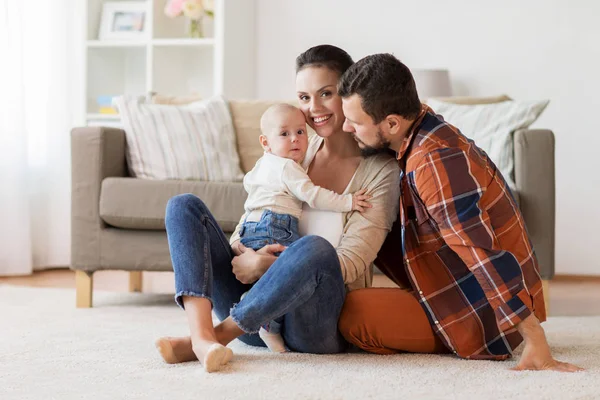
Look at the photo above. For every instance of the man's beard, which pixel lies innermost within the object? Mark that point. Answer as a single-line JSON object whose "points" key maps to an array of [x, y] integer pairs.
{"points": [[382, 146]]}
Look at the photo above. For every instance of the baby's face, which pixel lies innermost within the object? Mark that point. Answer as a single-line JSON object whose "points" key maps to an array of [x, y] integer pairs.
{"points": [[287, 136]]}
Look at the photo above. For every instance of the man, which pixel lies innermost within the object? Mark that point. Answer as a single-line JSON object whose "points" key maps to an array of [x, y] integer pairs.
{"points": [[460, 242]]}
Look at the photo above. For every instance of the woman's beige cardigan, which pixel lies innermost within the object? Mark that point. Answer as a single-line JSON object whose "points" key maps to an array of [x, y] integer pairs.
{"points": [[365, 232]]}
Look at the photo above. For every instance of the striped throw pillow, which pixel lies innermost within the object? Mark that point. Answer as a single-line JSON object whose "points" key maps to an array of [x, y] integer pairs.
{"points": [[194, 141]]}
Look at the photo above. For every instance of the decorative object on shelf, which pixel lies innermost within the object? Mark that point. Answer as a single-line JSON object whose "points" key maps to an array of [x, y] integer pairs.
{"points": [[123, 20], [105, 105], [432, 83], [196, 12]]}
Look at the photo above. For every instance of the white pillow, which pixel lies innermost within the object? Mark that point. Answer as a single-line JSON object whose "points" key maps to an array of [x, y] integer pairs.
{"points": [[491, 126], [193, 141]]}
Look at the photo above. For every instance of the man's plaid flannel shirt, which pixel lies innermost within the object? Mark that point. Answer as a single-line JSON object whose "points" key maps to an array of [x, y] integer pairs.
{"points": [[461, 243]]}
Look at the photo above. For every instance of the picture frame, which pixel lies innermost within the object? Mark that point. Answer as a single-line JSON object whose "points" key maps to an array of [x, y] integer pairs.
{"points": [[124, 20]]}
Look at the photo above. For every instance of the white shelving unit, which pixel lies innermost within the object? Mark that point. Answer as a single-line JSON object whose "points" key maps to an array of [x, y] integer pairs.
{"points": [[165, 60]]}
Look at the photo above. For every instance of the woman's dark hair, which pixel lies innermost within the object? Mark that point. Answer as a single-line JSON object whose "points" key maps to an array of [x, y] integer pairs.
{"points": [[324, 55], [385, 85]]}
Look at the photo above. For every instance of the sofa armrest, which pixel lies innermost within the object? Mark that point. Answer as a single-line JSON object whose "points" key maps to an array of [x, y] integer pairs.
{"points": [[535, 183], [96, 153]]}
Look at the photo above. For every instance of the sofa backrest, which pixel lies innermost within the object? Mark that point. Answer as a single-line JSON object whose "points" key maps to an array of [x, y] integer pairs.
{"points": [[246, 122]]}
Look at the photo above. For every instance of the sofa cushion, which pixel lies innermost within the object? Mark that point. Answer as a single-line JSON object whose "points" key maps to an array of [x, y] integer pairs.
{"points": [[192, 141], [246, 123], [491, 126], [140, 204], [468, 100]]}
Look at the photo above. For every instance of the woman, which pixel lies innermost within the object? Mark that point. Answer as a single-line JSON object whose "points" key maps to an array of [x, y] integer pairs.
{"points": [[209, 273]]}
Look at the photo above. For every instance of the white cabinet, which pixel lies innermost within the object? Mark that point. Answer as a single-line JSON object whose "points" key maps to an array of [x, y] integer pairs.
{"points": [[165, 59]]}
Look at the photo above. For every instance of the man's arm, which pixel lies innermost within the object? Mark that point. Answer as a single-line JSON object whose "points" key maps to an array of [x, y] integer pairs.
{"points": [[452, 187]]}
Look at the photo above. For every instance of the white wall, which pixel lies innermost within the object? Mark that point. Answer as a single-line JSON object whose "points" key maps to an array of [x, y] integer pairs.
{"points": [[534, 49]]}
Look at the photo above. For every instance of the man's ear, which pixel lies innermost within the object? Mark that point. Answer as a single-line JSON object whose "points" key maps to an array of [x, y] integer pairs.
{"points": [[393, 124], [264, 142]]}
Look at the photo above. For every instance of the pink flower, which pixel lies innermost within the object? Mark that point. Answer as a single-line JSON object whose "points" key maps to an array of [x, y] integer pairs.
{"points": [[174, 8], [193, 9]]}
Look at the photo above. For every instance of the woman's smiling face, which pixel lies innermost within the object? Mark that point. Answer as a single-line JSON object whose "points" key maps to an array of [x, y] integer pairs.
{"points": [[316, 88]]}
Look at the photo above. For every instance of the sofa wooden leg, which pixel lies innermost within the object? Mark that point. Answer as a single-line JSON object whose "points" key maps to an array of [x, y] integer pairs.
{"points": [[546, 290], [135, 281], [83, 286]]}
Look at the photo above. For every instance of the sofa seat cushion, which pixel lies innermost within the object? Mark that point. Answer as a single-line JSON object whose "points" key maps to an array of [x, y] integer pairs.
{"points": [[132, 203]]}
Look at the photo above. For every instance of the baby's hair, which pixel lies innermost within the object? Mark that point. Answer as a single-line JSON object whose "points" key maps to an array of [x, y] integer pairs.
{"points": [[268, 116]]}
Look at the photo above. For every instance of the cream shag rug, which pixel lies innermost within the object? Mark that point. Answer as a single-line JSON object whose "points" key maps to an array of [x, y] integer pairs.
{"points": [[49, 349]]}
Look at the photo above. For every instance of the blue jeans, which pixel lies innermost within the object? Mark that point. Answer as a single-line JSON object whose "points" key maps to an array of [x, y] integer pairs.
{"points": [[304, 285], [272, 228]]}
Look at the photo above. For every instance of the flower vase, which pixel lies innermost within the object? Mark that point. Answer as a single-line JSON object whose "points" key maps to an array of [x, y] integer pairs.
{"points": [[195, 28]]}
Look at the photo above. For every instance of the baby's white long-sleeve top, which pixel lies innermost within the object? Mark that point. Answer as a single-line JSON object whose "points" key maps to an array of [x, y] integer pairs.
{"points": [[281, 185]]}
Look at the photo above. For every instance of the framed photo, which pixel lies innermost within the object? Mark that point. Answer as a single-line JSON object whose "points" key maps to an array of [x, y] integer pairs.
{"points": [[123, 20]]}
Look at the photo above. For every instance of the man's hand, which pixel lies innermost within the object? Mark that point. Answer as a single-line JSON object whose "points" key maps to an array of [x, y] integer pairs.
{"points": [[536, 354]]}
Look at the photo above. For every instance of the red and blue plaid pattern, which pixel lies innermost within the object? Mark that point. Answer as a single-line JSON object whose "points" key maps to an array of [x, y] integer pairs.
{"points": [[461, 243]]}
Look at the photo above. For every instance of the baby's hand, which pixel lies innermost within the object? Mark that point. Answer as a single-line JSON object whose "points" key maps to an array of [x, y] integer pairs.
{"points": [[360, 200]]}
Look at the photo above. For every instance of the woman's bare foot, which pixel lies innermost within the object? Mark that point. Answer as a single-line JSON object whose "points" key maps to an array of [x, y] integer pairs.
{"points": [[212, 355], [228, 355], [176, 350]]}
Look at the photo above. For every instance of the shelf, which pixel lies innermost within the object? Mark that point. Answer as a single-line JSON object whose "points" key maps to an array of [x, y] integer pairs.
{"points": [[184, 42], [104, 117], [156, 42], [165, 59], [116, 43]]}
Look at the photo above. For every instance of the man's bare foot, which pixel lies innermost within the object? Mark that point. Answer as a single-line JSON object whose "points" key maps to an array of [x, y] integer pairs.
{"points": [[176, 350]]}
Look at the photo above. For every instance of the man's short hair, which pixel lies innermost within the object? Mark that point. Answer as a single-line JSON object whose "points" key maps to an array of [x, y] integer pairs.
{"points": [[385, 86]]}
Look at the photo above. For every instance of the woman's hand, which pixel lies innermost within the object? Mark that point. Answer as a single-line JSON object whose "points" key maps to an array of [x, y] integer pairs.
{"points": [[271, 249], [250, 265], [235, 247]]}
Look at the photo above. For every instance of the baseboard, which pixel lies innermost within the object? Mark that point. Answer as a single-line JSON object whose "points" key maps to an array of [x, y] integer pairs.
{"points": [[576, 278]]}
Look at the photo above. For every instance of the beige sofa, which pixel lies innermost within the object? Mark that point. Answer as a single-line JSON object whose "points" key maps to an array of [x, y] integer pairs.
{"points": [[118, 221]]}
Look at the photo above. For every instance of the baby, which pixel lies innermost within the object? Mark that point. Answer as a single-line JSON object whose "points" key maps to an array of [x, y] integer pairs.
{"points": [[278, 185]]}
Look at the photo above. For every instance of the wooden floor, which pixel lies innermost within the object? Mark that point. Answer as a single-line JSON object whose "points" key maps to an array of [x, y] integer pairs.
{"points": [[569, 296]]}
